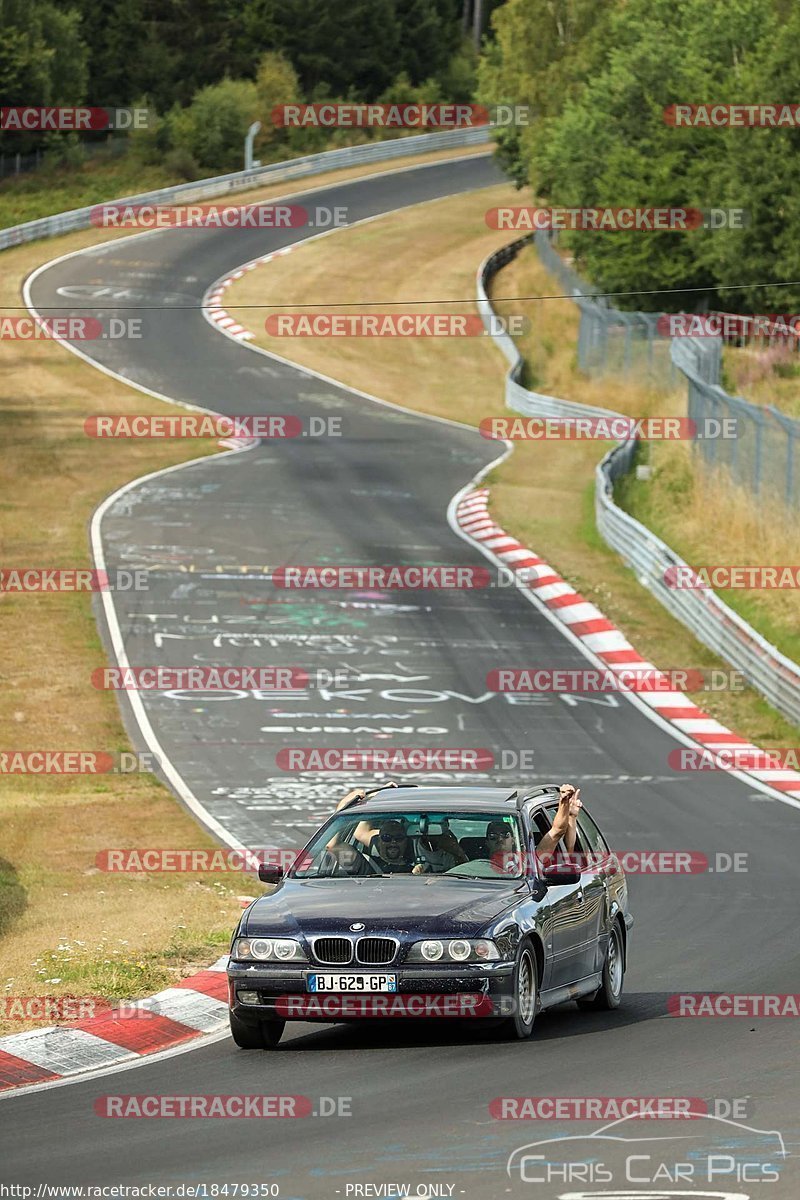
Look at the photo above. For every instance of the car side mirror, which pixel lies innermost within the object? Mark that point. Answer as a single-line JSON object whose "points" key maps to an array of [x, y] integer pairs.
{"points": [[269, 873], [562, 873]]}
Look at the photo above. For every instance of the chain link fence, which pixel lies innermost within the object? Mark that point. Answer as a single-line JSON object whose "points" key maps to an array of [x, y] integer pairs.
{"points": [[762, 444], [701, 610], [610, 341], [761, 453]]}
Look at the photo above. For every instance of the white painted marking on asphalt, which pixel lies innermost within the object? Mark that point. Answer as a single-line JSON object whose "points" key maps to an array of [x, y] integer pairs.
{"points": [[58, 1049]]}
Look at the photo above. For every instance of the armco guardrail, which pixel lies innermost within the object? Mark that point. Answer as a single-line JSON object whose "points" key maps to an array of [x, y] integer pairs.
{"points": [[712, 622], [239, 181], [518, 397]]}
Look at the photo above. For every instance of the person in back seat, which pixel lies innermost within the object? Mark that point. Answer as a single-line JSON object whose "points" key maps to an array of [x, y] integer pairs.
{"points": [[564, 826]]}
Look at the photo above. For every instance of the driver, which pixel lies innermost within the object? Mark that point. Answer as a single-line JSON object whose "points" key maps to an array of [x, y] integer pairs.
{"points": [[435, 853], [391, 848]]}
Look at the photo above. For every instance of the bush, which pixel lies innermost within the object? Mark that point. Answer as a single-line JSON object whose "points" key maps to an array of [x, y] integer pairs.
{"points": [[459, 78], [149, 145], [64, 150], [182, 163], [213, 128], [276, 84]]}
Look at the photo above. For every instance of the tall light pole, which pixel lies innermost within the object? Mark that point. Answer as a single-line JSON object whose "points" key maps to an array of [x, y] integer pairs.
{"points": [[249, 161]]}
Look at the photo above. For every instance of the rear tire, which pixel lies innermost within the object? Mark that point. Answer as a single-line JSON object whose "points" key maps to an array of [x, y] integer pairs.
{"points": [[608, 995], [525, 996], [264, 1035]]}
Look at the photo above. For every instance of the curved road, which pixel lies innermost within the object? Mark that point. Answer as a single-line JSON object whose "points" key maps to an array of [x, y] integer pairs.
{"points": [[413, 661]]}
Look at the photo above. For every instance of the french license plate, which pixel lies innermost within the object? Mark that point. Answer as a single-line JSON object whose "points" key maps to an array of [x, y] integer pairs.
{"points": [[351, 983]]}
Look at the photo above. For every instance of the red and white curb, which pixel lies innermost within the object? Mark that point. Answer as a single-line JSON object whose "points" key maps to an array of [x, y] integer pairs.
{"points": [[591, 627], [213, 301], [197, 1005], [212, 308]]}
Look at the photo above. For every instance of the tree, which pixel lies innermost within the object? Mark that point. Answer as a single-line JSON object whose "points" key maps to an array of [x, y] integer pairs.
{"points": [[43, 61], [539, 54], [213, 128]]}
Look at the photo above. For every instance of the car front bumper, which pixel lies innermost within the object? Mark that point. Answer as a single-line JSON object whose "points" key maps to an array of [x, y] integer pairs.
{"points": [[473, 990]]}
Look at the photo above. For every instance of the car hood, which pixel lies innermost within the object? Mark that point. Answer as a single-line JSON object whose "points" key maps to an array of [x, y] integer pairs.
{"points": [[395, 903]]}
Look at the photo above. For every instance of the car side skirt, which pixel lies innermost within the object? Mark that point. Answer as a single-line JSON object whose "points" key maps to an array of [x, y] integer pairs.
{"points": [[570, 991]]}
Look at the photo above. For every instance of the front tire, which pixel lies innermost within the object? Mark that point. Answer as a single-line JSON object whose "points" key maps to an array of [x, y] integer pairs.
{"points": [[264, 1035], [525, 996], [609, 994]]}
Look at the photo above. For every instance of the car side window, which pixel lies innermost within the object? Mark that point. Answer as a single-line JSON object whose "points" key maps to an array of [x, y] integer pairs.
{"points": [[543, 819], [592, 836], [540, 824]]}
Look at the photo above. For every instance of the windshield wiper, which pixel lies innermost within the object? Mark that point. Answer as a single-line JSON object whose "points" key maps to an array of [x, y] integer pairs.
{"points": [[461, 875], [372, 875]]}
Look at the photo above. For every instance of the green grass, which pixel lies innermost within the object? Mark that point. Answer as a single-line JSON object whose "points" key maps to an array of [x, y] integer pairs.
{"points": [[50, 190]]}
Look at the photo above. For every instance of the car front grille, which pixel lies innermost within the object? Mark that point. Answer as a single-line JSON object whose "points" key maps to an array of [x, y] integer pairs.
{"points": [[333, 950], [376, 951]]}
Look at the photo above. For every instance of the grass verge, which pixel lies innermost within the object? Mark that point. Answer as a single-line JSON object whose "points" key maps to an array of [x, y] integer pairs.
{"points": [[764, 375], [676, 502]]}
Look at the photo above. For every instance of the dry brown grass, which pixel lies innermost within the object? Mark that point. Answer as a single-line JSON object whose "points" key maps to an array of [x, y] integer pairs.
{"points": [[544, 492], [51, 894], [765, 375], [708, 519], [344, 266]]}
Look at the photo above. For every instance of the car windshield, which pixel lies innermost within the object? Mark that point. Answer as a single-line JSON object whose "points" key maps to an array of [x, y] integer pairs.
{"points": [[376, 844]]}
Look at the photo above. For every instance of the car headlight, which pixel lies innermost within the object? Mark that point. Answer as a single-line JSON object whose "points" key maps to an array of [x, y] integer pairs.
{"points": [[261, 949], [455, 950]]}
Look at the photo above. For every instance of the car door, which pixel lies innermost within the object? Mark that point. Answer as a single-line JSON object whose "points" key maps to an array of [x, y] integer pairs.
{"points": [[564, 919], [595, 863], [598, 864]]}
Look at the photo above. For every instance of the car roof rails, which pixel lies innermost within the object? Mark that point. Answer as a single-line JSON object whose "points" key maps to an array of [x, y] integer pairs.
{"points": [[537, 793], [373, 792]]}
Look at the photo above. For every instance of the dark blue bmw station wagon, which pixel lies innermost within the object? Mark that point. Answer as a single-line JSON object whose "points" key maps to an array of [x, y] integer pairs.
{"points": [[433, 901]]}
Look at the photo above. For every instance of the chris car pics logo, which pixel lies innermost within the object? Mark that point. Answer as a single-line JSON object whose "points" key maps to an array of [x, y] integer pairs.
{"points": [[712, 1152]]}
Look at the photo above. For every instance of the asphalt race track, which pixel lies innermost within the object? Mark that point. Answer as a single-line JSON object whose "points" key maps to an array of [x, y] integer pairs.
{"points": [[413, 662]]}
